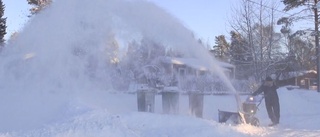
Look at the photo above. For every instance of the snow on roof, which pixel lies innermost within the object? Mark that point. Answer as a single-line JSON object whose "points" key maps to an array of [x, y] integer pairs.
{"points": [[297, 74], [196, 63]]}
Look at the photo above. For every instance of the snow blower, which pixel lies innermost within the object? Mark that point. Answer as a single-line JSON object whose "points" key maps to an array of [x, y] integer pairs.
{"points": [[246, 115]]}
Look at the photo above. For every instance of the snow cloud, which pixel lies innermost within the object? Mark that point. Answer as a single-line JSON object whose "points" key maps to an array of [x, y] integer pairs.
{"points": [[61, 53]]}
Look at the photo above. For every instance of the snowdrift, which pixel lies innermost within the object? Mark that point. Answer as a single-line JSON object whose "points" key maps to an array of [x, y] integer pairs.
{"points": [[115, 119]]}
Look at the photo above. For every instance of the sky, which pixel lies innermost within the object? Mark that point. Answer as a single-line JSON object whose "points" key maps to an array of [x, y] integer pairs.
{"points": [[206, 18], [16, 12]]}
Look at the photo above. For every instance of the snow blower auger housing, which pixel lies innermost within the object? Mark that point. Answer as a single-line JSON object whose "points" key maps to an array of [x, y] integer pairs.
{"points": [[249, 109]]}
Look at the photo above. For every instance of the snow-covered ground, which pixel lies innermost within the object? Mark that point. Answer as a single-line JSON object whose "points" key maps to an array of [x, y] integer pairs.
{"points": [[116, 116]]}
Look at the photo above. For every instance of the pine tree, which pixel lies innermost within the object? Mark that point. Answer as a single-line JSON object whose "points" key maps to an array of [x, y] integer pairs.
{"points": [[240, 50], [221, 49], [38, 5], [309, 54], [291, 4], [241, 56], [2, 23]]}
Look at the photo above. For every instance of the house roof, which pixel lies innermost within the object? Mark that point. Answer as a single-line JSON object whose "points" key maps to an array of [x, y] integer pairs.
{"points": [[196, 63]]}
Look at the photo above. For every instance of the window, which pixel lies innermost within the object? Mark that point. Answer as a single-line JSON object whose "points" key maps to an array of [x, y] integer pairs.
{"points": [[303, 82], [201, 73], [182, 72], [313, 82]]}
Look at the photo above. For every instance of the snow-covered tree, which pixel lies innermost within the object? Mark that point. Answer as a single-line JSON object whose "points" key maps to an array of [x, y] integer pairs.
{"points": [[138, 63], [112, 49]]}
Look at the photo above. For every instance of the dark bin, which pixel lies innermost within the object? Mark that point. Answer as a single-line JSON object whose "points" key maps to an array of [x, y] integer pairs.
{"points": [[196, 104], [146, 100], [170, 101]]}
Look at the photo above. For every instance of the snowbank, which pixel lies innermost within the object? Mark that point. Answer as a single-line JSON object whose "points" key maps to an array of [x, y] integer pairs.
{"points": [[117, 117]]}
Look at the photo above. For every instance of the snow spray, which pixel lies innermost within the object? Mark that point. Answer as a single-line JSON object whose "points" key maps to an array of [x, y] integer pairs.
{"points": [[60, 53]]}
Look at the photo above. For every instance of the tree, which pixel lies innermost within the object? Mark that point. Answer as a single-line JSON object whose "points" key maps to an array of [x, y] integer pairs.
{"points": [[254, 22], [221, 49], [310, 6], [291, 4], [241, 56], [303, 49], [298, 44], [139, 55], [112, 49], [286, 30], [2, 23], [38, 5]]}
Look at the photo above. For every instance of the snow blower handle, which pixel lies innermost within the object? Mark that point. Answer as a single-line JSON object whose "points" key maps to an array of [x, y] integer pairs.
{"points": [[254, 99], [250, 98]]}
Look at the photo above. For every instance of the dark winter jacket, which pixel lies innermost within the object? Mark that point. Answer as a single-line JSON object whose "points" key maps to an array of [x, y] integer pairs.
{"points": [[270, 93]]}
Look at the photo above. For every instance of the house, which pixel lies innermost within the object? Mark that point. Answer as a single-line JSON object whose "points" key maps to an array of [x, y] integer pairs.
{"points": [[173, 76], [191, 66], [302, 79], [193, 74]]}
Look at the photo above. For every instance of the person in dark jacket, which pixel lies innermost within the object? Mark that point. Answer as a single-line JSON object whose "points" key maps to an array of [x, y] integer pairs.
{"points": [[271, 99]]}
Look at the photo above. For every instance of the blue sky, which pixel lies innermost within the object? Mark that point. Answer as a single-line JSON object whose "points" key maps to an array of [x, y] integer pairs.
{"points": [[16, 12], [206, 18]]}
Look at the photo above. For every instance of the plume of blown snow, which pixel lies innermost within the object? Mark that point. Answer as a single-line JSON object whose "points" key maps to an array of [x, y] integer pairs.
{"points": [[60, 55]]}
